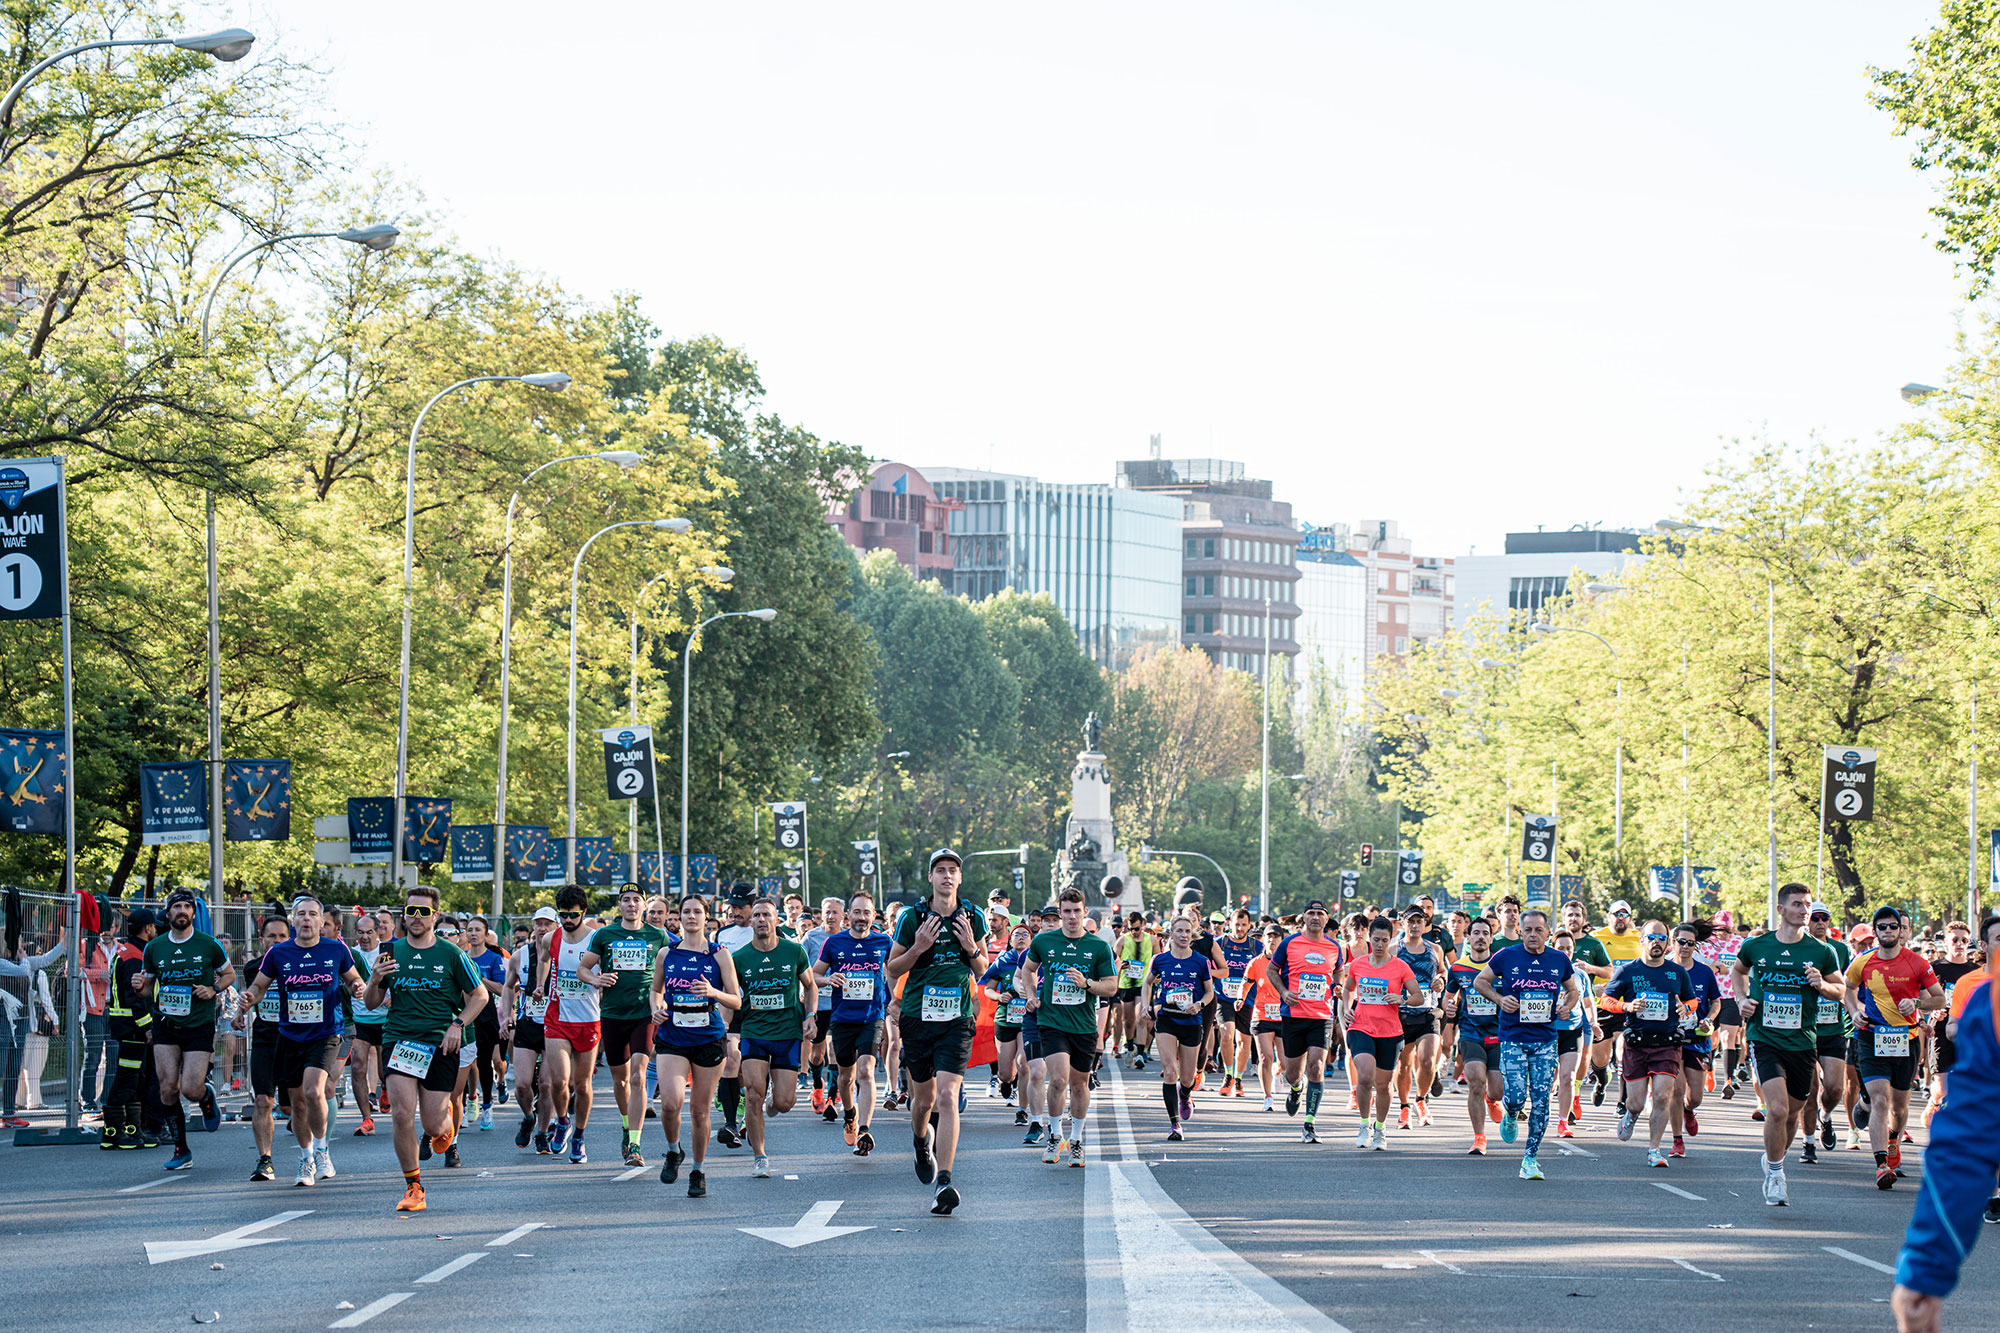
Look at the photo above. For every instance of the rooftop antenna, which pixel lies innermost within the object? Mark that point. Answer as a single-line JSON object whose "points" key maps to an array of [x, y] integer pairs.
{"points": [[1156, 446]]}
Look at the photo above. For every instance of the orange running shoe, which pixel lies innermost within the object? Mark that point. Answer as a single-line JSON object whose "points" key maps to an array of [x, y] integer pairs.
{"points": [[1576, 1107], [1403, 1117], [1352, 1104], [849, 1132], [412, 1200], [1563, 1131], [1710, 1080], [1423, 1111], [1197, 1080], [439, 1142], [1239, 1086], [819, 1100], [1493, 1110], [1478, 1146]]}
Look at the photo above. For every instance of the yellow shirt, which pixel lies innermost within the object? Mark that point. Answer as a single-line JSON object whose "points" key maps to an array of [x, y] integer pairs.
{"points": [[1621, 948]]}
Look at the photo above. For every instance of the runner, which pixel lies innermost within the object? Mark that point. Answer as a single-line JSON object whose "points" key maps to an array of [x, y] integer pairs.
{"points": [[129, 1023], [308, 974], [1655, 991], [937, 944], [1177, 985], [851, 964], [1835, 1035], [1719, 950], [365, 1055], [1305, 970], [1268, 1010], [1478, 1021], [184, 971], [571, 1029], [1782, 977], [1533, 985], [1010, 1014], [694, 979], [1063, 969], [778, 990], [1239, 949], [1697, 1029], [1417, 1061], [1575, 1033], [629, 946], [1135, 950], [832, 921], [491, 965], [526, 1007], [1957, 964], [1621, 944], [431, 993], [1509, 933], [1885, 991], [734, 934], [1381, 988], [263, 1061]]}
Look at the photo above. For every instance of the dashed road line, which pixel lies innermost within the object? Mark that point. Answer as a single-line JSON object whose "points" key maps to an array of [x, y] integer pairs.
{"points": [[146, 1185], [437, 1275], [513, 1235], [373, 1308], [1854, 1258], [1676, 1189], [635, 1171], [1702, 1271]]}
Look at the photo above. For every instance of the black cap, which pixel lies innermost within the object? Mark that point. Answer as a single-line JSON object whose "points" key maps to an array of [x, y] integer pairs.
{"points": [[182, 896], [944, 854], [1320, 903], [141, 917], [1888, 913], [1050, 910], [1414, 910], [739, 894]]}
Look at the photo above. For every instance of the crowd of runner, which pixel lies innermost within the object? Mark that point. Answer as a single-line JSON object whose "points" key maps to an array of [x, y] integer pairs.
{"points": [[424, 1018]]}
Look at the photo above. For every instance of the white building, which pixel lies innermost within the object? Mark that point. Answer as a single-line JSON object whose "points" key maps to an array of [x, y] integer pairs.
{"points": [[1332, 594], [1536, 568]]}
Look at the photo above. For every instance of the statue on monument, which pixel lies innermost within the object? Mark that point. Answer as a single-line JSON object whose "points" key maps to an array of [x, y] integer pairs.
{"points": [[1093, 733]]}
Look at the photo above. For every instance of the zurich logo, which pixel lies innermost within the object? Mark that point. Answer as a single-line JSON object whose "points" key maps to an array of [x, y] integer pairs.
{"points": [[1540, 821], [626, 738], [13, 487], [1850, 759]]}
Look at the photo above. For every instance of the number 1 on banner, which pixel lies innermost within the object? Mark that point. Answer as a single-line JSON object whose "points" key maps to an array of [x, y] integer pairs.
{"points": [[20, 581]]}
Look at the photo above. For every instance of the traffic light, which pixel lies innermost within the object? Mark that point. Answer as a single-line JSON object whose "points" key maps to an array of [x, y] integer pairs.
{"points": [[1367, 855]]}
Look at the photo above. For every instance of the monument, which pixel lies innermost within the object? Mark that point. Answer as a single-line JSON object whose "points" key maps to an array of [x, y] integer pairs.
{"points": [[1090, 859]]}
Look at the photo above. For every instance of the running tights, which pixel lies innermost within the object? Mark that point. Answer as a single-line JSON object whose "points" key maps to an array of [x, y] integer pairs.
{"points": [[1528, 1072]]}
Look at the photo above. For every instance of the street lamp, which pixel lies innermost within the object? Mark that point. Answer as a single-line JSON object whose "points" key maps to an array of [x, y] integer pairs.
{"points": [[575, 583], [379, 236], [554, 380], [765, 614], [228, 45], [626, 459], [1617, 741]]}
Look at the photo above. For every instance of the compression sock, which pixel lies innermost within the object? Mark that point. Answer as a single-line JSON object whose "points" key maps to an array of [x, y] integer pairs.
{"points": [[1735, 1056], [732, 1100], [1170, 1093], [817, 1085], [180, 1127], [1314, 1090]]}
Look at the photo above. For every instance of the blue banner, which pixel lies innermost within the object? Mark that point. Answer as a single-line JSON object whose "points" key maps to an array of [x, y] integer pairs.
{"points": [[1708, 884], [649, 874], [597, 863], [1537, 893], [256, 800], [33, 772], [771, 886], [173, 803], [1665, 881], [527, 853], [1571, 885], [471, 852], [369, 821], [555, 870], [426, 829]]}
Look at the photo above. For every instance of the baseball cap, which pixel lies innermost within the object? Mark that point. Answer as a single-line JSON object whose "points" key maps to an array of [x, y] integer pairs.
{"points": [[1049, 910], [544, 914], [1887, 913], [739, 894], [141, 917], [1617, 906], [944, 854], [1315, 904], [1821, 909], [1216, 918], [1414, 910]]}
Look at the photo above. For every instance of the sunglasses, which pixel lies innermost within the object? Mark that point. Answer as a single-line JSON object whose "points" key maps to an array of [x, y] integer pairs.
{"points": [[1652, 938], [569, 916], [1687, 941], [420, 911]]}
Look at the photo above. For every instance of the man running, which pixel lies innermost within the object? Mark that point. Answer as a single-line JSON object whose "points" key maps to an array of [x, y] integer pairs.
{"points": [[938, 943], [1381, 988], [1719, 950], [1783, 978], [308, 974], [1655, 991], [1885, 991], [431, 993], [525, 1008], [1835, 1032], [185, 970], [1957, 964], [1134, 955], [832, 920], [1305, 970], [628, 946], [491, 965], [1697, 1029], [1239, 948], [1621, 944], [1533, 985], [1267, 1011], [262, 1021], [1478, 1020], [1067, 969], [571, 1030], [779, 989], [851, 965], [733, 935], [1418, 1059], [365, 1053], [1010, 1015]]}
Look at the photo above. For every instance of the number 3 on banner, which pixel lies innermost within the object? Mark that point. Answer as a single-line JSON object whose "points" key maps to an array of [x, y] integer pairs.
{"points": [[20, 581]]}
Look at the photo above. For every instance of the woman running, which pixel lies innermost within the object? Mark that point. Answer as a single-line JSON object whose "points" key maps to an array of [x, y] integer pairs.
{"points": [[694, 980], [1176, 989]]}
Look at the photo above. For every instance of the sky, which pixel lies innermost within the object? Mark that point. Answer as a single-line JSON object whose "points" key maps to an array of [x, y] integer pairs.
{"points": [[1477, 268]]}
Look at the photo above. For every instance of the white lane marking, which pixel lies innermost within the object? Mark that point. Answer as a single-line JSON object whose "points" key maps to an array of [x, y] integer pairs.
{"points": [[635, 1171], [1149, 1265], [157, 1180], [512, 1236], [808, 1229], [1432, 1255], [166, 1251], [440, 1274], [1126, 1143], [1571, 1150], [369, 1311], [1676, 1189], [1854, 1258], [1702, 1271]]}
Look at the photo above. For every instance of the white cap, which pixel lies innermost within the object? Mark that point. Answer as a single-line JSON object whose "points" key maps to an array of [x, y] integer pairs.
{"points": [[1619, 905], [1820, 909], [544, 914]]}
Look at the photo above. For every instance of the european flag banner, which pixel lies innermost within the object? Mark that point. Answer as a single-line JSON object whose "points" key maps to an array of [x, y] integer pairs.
{"points": [[1665, 881], [34, 771], [426, 829], [555, 870], [1571, 886], [705, 871], [471, 852], [257, 800], [597, 863], [173, 803], [1537, 891], [771, 886], [527, 852], [649, 874], [369, 819]]}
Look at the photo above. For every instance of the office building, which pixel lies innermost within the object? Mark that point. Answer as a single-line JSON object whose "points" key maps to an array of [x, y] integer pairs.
{"points": [[1536, 568], [1333, 627], [898, 510]]}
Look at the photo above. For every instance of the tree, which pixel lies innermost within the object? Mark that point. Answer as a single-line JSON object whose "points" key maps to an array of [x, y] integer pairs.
{"points": [[1176, 718]]}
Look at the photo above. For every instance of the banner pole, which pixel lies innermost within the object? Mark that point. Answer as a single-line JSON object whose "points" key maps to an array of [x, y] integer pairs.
{"points": [[74, 1002], [805, 850], [1819, 868]]}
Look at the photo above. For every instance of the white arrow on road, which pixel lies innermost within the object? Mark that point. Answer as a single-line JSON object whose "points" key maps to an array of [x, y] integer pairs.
{"points": [[166, 1251], [813, 1226]]}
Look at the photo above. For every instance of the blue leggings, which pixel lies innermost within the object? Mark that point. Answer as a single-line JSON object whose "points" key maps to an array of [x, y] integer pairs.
{"points": [[1528, 1073]]}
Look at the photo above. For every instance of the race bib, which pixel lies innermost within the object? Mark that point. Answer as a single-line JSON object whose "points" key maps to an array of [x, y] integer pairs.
{"points": [[858, 985], [569, 986], [1135, 970], [1180, 997], [942, 1004], [1892, 1042], [1783, 1013], [534, 1010], [1430, 999], [302, 1008], [691, 1016], [1017, 1013], [176, 1001], [1728, 960], [1828, 1016], [1537, 1006], [1652, 1007], [1478, 1006], [1271, 1013], [628, 956], [412, 1058], [1065, 991], [1312, 986], [766, 1000], [1233, 988], [267, 1008], [1372, 990]]}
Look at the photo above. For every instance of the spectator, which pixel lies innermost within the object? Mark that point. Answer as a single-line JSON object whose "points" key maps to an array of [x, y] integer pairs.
{"points": [[96, 991], [18, 974]]}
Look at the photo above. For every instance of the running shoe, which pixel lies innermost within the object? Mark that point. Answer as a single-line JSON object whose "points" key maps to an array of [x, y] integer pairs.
{"points": [[1693, 1126], [451, 1157], [818, 1100], [1424, 1112], [1187, 1105], [1861, 1115], [577, 1154], [485, 1115], [1679, 1149], [1492, 1110], [1855, 1140], [1270, 1104], [832, 1111], [1993, 1210], [728, 1137], [1907, 1138], [1052, 1151], [365, 1128], [1381, 1138], [993, 1086], [211, 1114], [1174, 1134], [1352, 1104], [1576, 1106], [1199, 1076], [1597, 1092], [1531, 1169], [1437, 1085], [1239, 1087], [1307, 1134], [1403, 1117], [1729, 1092], [305, 1167], [1896, 1162], [1625, 1122], [670, 1170], [1758, 1115], [697, 1184], [412, 1200], [864, 1143], [1509, 1126], [1775, 1193], [266, 1169], [1654, 1157], [1367, 1132], [631, 1152], [1809, 1154], [889, 1101], [1478, 1148], [323, 1163], [1292, 1095], [449, 1136], [847, 1130], [541, 1143], [760, 1167], [1076, 1153], [1885, 1177], [1034, 1134], [926, 1164], [1563, 1130], [947, 1196], [181, 1160], [1020, 1118]]}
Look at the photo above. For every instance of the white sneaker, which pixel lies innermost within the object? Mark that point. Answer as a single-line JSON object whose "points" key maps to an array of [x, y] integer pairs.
{"points": [[760, 1168], [1270, 1105], [993, 1087], [305, 1169], [323, 1163], [1775, 1193], [1381, 1138], [1052, 1149], [1367, 1132]]}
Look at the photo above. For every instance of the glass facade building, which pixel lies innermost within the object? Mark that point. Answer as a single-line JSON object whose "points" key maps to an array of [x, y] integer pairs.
{"points": [[1332, 593]]}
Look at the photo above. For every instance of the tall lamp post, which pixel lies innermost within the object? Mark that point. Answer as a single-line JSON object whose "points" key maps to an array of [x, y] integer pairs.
{"points": [[229, 45], [378, 237], [554, 380], [1617, 742], [575, 583], [624, 458], [721, 574], [765, 614]]}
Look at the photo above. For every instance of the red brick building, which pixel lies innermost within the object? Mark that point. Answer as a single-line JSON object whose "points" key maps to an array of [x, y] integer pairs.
{"points": [[897, 510]]}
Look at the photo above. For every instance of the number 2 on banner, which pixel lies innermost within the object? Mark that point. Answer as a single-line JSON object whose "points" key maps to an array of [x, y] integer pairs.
{"points": [[1846, 801], [20, 581], [630, 780]]}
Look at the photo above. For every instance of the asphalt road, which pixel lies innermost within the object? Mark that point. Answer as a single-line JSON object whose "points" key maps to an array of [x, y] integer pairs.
{"points": [[1241, 1226]]}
